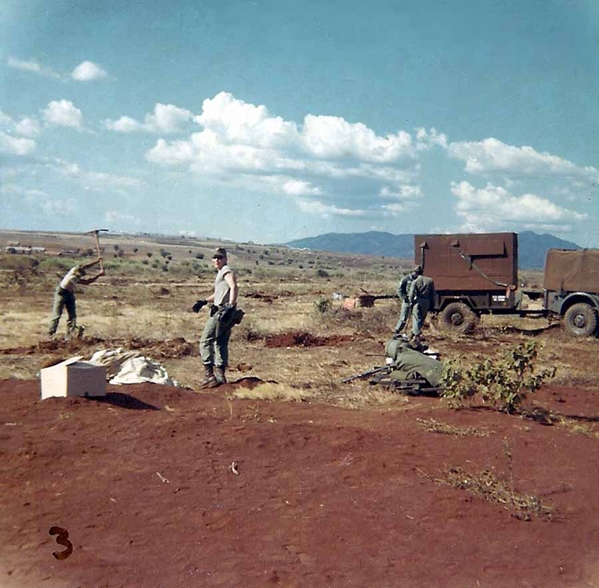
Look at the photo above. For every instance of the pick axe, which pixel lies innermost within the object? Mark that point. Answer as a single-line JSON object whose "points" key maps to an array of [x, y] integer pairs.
{"points": [[96, 233]]}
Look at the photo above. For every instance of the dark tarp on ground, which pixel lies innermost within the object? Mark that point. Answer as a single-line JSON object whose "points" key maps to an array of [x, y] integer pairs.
{"points": [[409, 364], [572, 270]]}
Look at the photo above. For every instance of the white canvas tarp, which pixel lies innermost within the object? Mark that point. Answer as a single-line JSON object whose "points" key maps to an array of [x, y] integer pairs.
{"points": [[129, 367]]}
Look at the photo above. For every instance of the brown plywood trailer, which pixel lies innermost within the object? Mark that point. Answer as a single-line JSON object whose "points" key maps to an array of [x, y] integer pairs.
{"points": [[474, 273], [469, 262]]}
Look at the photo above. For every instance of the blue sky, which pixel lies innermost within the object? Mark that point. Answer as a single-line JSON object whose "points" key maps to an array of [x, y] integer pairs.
{"points": [[270, 120]]}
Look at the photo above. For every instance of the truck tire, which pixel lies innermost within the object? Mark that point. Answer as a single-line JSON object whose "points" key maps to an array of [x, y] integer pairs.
{"points": [[580, 320], [457, 316]]}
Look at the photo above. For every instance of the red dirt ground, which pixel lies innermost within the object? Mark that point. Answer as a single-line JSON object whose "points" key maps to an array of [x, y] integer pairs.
{"points": [[161, 487]]}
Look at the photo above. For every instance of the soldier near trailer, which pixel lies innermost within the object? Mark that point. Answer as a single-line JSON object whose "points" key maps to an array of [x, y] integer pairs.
{"points": [[403, 291], [64, 297], [421, 298], [214, 342]]}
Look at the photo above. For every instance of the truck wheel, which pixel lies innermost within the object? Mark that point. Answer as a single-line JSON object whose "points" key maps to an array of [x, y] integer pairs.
{"points": [[457, 316], [580, 320]]}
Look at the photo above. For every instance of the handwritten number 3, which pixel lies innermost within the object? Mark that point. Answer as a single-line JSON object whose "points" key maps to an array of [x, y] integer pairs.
{"points": [[62, 539]]}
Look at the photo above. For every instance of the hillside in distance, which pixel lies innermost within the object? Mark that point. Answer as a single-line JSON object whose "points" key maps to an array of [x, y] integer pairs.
{"points": [[532, 247]]}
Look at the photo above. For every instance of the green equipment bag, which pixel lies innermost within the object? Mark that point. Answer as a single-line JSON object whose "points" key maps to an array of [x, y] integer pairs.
{"points": [[409, 364]]}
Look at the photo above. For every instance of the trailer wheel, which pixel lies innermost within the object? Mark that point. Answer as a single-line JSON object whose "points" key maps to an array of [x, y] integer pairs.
{"points": [[580, 320], [457, 316]]}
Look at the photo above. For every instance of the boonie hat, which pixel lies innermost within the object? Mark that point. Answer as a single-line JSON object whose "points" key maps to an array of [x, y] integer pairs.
{"points": [[219, 253], [417, 269]]}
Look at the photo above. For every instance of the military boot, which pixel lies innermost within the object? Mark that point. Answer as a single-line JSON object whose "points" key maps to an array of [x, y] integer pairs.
{"points": [[219, 373], [415, 342], [209, 380]]}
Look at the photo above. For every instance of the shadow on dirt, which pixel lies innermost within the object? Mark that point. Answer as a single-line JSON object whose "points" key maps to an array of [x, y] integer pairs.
{"points": [[123, 401], [576, 417]]}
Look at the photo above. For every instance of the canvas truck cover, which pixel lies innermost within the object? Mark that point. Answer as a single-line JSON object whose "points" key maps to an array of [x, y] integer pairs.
{"points": [[572, 270], [470, 261]]}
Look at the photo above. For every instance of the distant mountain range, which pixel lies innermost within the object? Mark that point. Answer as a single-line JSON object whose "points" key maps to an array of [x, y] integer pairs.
{"points": [[532, 247]]}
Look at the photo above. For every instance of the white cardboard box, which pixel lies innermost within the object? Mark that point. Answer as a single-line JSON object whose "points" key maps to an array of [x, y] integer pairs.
{"points": [[73, 377]]}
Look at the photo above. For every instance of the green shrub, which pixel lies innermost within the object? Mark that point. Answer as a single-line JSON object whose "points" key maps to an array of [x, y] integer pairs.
{"points": [[504, 384], [323, 305]]}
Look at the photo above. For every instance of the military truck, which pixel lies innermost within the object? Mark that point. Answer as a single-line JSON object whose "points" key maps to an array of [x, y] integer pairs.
{"points": [[477, 274]]}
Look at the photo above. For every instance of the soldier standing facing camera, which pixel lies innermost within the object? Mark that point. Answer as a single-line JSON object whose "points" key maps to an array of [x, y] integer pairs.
{"points": [[214, 342]]}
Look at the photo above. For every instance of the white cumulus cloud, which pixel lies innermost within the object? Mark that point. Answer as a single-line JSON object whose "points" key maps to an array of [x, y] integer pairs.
{"points": [[492, 155], [125, 124], [402, 192], [88, 71], [32, 66], [427, 139], [63, 113], [394, 209], [174, 153], [299, 188], [347, 165], [327, 210], [332, 136], [165, 119], [15, 145], [237, 122], [494, 208], [28, 127]]}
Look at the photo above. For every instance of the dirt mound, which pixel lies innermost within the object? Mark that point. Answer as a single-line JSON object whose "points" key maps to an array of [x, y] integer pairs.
{"points": [[259, 296], [169, 348], [302, 339], [159, 486]]}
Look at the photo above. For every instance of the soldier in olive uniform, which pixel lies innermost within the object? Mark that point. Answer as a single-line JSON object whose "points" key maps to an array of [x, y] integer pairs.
{"points": [[214, 343], [403, 291], [421, 298], [64, 297]]}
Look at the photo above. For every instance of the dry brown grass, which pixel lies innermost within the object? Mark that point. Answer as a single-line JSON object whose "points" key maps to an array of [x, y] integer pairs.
{"points": [[447, 429], [492, 488], [272, 391]]}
